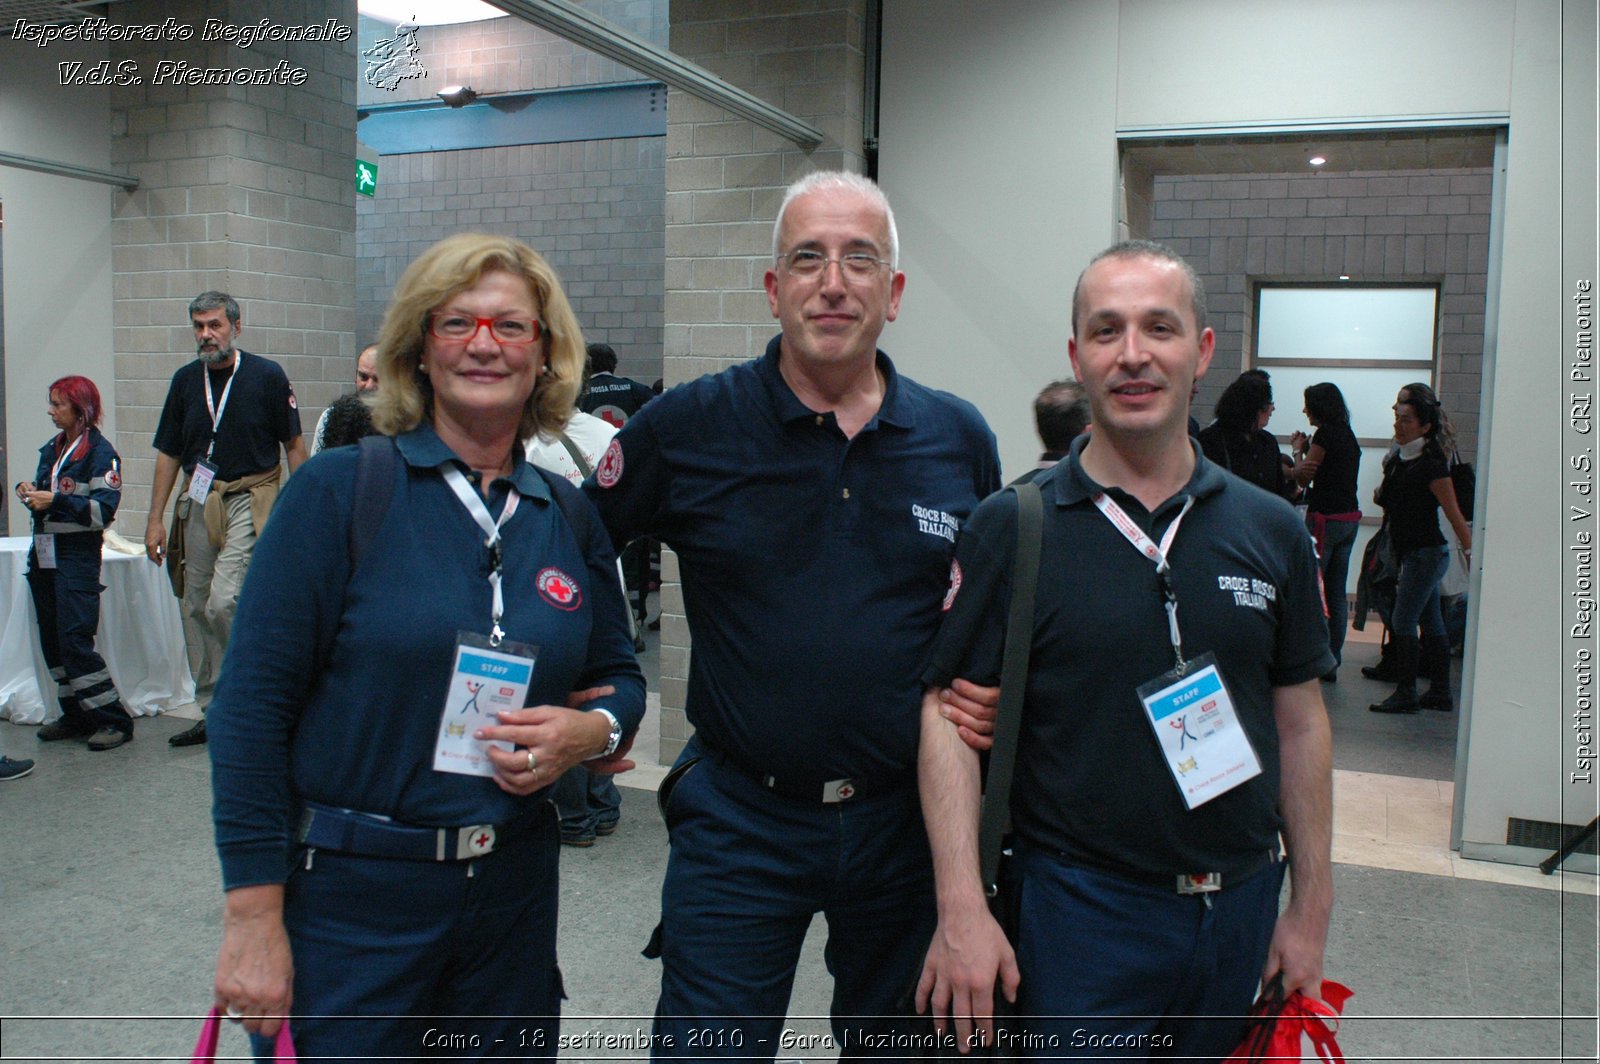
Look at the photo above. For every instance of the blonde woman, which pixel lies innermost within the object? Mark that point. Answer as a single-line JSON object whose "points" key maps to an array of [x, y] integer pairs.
{"points": [[383, 863]]}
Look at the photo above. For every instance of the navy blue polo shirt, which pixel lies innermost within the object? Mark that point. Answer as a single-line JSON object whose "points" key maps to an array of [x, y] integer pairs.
{"points": [[261, 414], [1090, 780], [334, 681], [614, 399], [813, 565]]}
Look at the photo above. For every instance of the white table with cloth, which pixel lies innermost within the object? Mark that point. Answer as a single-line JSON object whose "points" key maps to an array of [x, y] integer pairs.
{"points": [[141, 638]]}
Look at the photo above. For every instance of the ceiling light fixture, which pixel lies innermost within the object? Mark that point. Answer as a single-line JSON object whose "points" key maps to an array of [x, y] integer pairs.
{"points": [[457, 95], [1317, 160]]}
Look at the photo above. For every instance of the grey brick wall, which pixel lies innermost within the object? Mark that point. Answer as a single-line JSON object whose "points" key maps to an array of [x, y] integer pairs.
{"points": [[724, 179], [1237, 229], [246, 189], [593, 208]]}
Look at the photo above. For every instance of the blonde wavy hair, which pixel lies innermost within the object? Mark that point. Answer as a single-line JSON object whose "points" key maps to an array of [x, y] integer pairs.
{"points": [[456, 263]]}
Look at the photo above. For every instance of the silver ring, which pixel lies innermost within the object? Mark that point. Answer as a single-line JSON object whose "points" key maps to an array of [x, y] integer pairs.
{"points": [[233, 1013], [533, 762]]}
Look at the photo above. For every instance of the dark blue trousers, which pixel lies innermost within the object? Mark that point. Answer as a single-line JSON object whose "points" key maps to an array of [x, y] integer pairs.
{"points": [[415, 959], [748, 870], [1116, 968], [586, 801], [66, 600]]}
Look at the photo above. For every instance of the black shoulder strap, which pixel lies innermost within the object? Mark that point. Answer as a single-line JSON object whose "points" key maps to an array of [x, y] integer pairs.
{"points": [[577, 455], [374, 488], [581, 518], [1013, 681]]}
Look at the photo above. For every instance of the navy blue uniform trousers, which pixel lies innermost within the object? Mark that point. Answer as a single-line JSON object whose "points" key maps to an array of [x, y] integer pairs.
{"points": [[67, 602], [1130, 970], [748, 870], [410, 960]]}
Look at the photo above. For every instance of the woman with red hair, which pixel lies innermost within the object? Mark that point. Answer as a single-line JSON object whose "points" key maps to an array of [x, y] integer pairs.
{"points": [[73, 497]]}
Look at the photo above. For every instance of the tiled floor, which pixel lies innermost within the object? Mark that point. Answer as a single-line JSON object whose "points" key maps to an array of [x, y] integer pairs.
{"points": [[1403, 824]]}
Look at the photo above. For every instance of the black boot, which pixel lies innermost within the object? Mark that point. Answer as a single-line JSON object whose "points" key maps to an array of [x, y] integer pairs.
{"points": [[195, 735], [1436, 667], [73, 722], [1403, 652], [1384, 670]]}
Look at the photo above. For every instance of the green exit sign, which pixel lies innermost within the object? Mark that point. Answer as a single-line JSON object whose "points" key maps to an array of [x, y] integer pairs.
{"points": [[366, 177]]}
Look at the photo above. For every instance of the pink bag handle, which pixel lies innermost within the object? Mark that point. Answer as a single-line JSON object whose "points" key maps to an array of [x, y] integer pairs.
{"points": [[205, 1047]]}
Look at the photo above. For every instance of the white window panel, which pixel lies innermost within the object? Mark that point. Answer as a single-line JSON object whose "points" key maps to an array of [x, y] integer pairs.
{"points": [[1330, 324]]}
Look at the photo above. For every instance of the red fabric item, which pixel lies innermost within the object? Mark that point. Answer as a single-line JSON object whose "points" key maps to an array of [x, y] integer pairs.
{"points": [[205, 1047], [1276, 1026]]}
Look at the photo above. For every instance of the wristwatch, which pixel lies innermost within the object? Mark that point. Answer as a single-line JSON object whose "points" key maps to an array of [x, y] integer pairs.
{"points": [[614, 739]]}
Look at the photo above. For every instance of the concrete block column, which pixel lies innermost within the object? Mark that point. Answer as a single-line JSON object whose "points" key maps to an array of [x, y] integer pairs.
{"points": [[725, 179], [246, 188]]}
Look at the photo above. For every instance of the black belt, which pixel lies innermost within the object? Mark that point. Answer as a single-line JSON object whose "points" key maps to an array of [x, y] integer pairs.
{"points": [[811, 789], [1180, 882], [347, 831]]}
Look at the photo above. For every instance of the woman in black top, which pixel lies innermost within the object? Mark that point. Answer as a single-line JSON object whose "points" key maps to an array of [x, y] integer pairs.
{"points": [[1416, 486], [1327, 462], [1238, 441]]}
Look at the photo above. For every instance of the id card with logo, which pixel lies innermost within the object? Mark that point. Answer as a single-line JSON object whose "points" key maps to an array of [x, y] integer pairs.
{"points": [[484, 682], [200, 481], [1198, 729], [44, 548]]}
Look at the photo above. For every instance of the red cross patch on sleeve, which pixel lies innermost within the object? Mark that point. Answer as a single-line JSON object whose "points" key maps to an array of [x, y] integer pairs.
{"points": [[609, 471], [955, 586]]}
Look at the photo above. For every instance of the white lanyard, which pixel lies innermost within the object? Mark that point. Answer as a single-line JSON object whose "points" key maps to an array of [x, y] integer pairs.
{"points": [[216, 411], [1158, 554], [491, 528], [55, 471]]}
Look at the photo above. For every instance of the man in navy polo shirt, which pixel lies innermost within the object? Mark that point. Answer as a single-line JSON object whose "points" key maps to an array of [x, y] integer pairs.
{"points": [[225, 417], [1172, 724], [813, 497], [611, 398]]}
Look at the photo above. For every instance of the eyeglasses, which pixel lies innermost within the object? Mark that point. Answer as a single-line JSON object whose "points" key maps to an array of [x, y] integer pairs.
{"points": [[856, 266], [460, 328]]}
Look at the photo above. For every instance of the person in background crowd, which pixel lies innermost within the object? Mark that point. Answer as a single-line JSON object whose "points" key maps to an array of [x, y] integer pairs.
{"points": [[1148, 908], [1238, 439], [366, 384], [1293, 493], [231, 476], [609, 397], [1453, 588], [1416, 488], [1060, 413], [367, 729], [614, 400], [347, 420], [74, 497], [812, 497], [589, 803], [1327, 463]]}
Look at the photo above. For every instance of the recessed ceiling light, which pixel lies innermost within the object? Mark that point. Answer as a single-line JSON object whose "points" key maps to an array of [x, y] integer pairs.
{"points": [[1346, 277], [1317, 160]]}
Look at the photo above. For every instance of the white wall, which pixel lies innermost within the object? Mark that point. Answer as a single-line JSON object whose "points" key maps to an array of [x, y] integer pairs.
{"points": [[1184, 63], [998, 155], [57, 248], [999, 134]]}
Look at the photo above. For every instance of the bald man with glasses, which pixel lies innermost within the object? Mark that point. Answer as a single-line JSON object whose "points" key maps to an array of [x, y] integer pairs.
{"points": [[813, 498]]}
